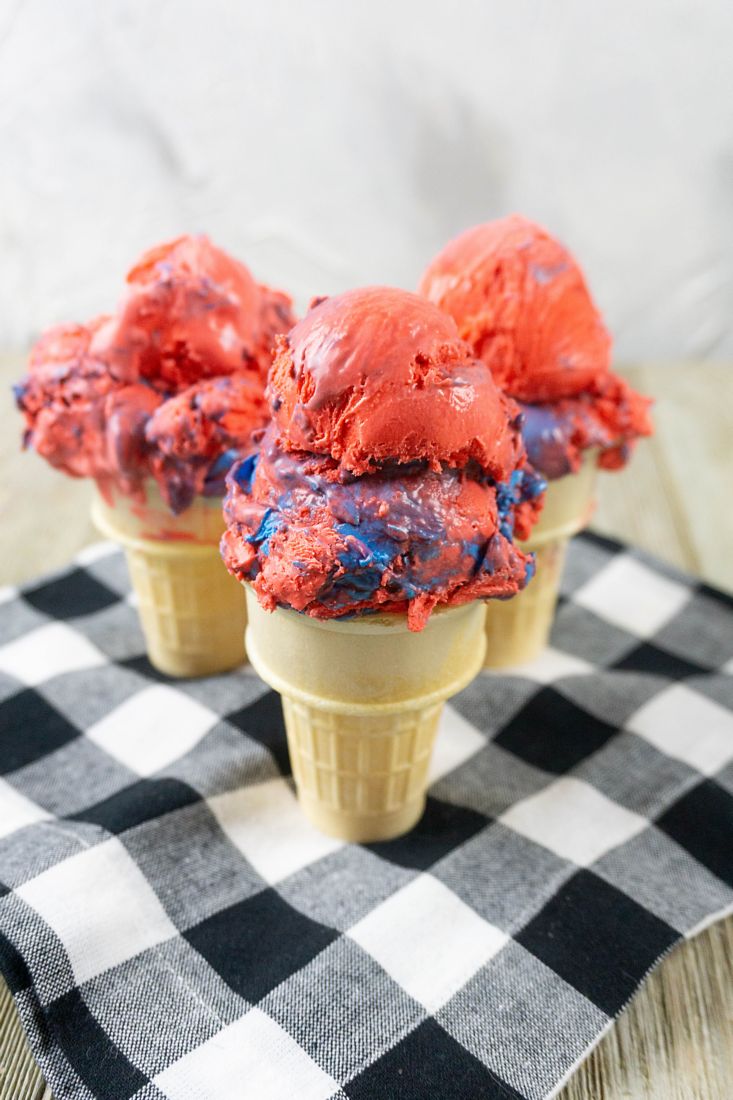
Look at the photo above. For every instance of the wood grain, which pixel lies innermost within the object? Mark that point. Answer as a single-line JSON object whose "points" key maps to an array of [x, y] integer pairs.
{"points": [[20, 1078], [675, 1041], [673, 499]]}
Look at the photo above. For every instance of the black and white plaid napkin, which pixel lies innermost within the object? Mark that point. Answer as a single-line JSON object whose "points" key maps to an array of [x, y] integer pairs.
{"points": [[170, 926]]}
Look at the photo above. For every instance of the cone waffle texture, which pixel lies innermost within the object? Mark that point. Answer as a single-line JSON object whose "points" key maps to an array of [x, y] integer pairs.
{"points": [[191, 610], [362, 700], [517, 630], [360, 776]]}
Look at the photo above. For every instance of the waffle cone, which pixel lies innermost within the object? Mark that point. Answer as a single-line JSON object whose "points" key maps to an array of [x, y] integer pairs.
{"points": [[517, 630], [191, 610], [362, 699]]}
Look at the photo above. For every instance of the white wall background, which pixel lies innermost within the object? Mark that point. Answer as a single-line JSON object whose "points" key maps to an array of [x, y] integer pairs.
{"points": [[336, 142]]}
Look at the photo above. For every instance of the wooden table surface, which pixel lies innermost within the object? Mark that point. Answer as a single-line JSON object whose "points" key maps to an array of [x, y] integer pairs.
{"points": [[675, 1041]]}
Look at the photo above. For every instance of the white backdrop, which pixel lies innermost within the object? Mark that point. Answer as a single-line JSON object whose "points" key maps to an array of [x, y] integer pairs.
{"points": [[336, 142]]}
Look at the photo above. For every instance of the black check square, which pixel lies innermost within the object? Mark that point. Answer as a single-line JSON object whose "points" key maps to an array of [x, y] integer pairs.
{"points": [[103, 1068], [30, 728], [14, 969], [552, 733], [140, 802], [140, 663], [702, 823], [442, 828], [79, 594], [654, 661], [603, 542], [429, 1063], [168, 925], [256, 944], [598, 939], [263, 721]]}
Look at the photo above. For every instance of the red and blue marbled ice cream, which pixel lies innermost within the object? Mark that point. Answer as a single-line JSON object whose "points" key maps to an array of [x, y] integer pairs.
{"points": [[391, 475], [520, 300], [170, 386]]}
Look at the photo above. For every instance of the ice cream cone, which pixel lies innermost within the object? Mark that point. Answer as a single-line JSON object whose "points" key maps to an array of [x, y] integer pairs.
{"points": [[362, 698], [517, 630], [192, 611]]}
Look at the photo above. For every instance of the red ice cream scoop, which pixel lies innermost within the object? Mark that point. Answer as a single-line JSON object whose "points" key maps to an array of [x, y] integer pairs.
{"points": [[377, 377], [521, 301], [191, 311], [164, 387]]}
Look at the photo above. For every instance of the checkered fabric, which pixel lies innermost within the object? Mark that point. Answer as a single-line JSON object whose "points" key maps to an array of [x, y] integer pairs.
{"points": [[170, 926]]}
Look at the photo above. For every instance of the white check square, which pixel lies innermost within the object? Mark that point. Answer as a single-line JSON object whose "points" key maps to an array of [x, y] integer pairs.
{"points": [[253, 1057], [633, 597], [265, 824], [684, 724], [428, 940], [17, 811], [574, 820], [51, 650], [457, 742], [551, 665], [100, 906], [153, 728]]}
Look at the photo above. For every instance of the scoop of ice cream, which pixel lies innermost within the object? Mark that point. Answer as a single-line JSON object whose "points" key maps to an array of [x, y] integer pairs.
{"points": [[63, 399], [169, 387], [557, 434], [404, 540], [377, 377], [521, 300], [191, 311], [208, 422], [392, 475]]}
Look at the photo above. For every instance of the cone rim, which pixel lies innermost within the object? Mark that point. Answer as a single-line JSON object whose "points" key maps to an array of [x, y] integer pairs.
{"points": [[356, 709], [172, 548]]}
